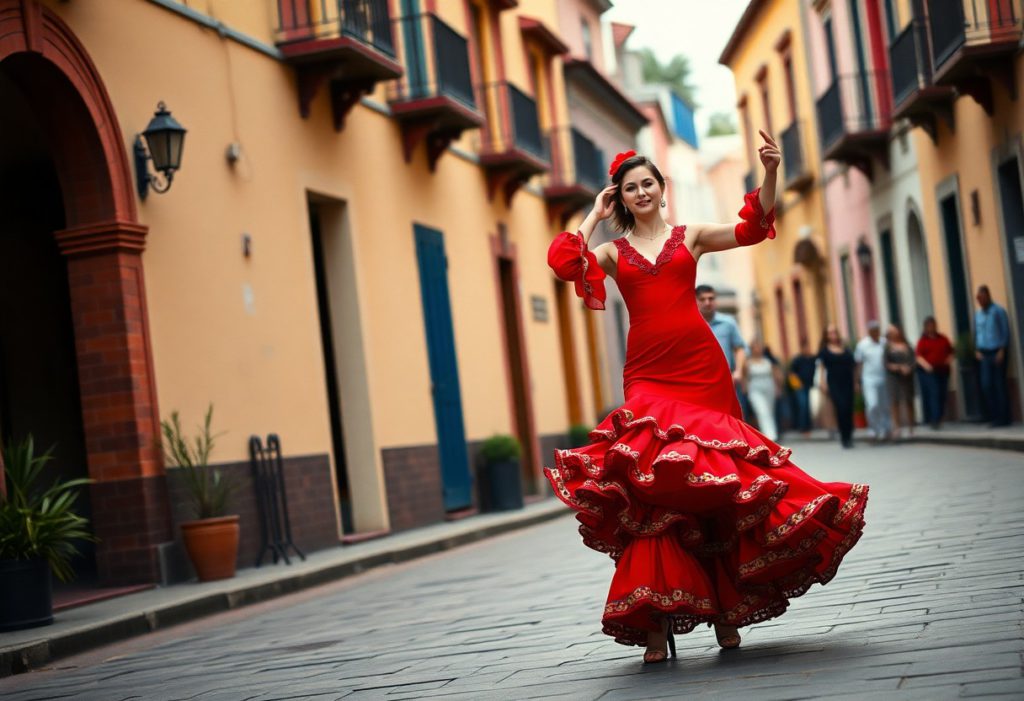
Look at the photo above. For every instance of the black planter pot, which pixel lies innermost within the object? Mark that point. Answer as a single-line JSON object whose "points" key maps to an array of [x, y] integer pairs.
{"points": [[26, 596], [504, 486]]}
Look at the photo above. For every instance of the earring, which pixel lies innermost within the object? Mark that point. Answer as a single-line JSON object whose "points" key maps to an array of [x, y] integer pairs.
{"points": [[663, 202]]}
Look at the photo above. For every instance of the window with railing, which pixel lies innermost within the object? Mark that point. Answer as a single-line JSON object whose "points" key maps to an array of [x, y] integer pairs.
{"points": [[954, 23], [368, 21], [845, 108], [513, 121], [435, 58], [575, 159], [793, 162], [911, 67]]}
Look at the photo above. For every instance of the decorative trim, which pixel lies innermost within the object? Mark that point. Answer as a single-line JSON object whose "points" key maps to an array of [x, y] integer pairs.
{"points": [[101, 238]]}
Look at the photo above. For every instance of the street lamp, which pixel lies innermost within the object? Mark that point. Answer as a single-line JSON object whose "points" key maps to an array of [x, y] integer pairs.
{"points": [[864, 254], [165, 139]]}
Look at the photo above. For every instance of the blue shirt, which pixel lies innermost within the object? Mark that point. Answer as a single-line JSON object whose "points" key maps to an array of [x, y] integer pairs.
{"points": [[727, 331], [991, 328]]}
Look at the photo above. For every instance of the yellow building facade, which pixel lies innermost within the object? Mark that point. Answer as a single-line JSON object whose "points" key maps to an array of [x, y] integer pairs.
{"points": [[351, 255], [961, 90], [768, 58]]}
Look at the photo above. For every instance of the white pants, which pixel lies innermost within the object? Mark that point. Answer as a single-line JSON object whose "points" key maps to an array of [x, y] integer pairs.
{"points": [[763, 404], [876, 406]]}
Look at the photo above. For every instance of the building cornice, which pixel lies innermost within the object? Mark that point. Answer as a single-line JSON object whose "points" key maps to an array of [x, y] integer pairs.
{"points": [[739, 33]]}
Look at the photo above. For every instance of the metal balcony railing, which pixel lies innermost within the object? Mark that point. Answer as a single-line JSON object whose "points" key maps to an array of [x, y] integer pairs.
{"points": [[909, 62], [575, 160], [794, 163], [436, 61], [851, 106], [956, 22], [513, 121], [368, 21]]}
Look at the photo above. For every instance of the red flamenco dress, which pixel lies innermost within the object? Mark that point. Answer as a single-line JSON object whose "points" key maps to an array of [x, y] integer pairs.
{"points": [[706, 519]]}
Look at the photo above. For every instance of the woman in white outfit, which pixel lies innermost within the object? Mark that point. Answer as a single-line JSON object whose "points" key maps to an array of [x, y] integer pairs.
{"points": [[762, 381]]}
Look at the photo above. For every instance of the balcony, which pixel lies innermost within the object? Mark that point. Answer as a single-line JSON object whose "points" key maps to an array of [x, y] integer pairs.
{"points": [[512, 147], [795, 160], [973, 44], [749, 182], [577, 173], [854, 120], [915, 97], [433, 101], [343, 44]]}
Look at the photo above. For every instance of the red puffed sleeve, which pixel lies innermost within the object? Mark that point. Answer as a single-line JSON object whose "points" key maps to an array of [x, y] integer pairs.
{"points": [[756, 225], [573, 262]]}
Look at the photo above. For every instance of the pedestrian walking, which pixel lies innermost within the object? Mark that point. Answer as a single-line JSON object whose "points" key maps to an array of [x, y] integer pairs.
{"points": [[991, 342], [762, 382], [727, 333], [933, 353], [684, 496], [870, 357], [838, 383], [801, 379], [899, 368]]}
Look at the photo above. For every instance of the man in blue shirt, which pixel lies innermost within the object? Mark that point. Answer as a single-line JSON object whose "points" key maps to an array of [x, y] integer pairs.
{"points": [[991, 342], [727, 331]]}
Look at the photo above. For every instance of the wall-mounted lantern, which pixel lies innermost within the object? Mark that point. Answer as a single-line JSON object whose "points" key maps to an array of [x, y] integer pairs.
{"points": [[864, 254], [165, 139]]}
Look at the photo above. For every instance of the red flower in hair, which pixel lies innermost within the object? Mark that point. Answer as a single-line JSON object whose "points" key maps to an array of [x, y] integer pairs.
{"points": [[619, 160]]}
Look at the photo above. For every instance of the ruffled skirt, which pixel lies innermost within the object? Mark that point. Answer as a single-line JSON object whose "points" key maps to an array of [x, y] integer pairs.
{"points": [[706, 519]]}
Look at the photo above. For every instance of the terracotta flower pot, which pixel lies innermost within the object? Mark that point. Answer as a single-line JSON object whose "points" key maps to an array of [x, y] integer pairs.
{"points": [[212, 546]]}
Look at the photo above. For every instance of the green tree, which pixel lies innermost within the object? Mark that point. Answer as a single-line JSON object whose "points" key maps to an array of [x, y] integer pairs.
{"points": [[675, 73], [721, 124]]}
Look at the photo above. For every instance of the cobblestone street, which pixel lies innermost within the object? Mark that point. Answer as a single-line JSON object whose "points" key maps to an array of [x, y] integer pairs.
{"points": [[929, 606]]}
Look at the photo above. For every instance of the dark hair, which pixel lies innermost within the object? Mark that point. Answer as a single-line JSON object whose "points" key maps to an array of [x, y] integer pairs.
{"points": [[929, 320], [622, 218], [704, 289], [899, 332], [824, 338], [981, 288]]}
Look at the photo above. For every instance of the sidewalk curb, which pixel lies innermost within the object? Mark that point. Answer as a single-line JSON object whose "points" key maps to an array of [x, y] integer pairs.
{"points": [[991, 442], [22, 657]]}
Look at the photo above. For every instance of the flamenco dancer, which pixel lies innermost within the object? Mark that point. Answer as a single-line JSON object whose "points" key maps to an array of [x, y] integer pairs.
{"points": [[706, 519]]}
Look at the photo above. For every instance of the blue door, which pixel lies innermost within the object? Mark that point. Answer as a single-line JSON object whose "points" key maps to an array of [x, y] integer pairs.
{"points": [[444, 368]]}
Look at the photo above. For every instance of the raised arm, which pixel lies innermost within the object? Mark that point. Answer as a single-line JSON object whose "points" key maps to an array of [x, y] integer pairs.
{"points": [[757, 216], [571, 259]]}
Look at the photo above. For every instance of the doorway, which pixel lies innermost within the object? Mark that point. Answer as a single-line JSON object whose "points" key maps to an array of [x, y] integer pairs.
{"points": [[1012, 205], [920, 277], [39, 384], [444, 368]]}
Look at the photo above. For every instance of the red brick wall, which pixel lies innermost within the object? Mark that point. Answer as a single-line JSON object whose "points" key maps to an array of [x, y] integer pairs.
{"points": [[413, 479]]}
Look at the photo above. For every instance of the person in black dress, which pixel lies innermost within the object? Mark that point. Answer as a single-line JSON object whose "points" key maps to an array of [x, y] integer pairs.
{"points": [[839, 368], [803, 366]]}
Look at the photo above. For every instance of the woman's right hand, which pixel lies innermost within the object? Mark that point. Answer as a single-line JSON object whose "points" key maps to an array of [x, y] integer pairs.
{"points": [[604, 203]]}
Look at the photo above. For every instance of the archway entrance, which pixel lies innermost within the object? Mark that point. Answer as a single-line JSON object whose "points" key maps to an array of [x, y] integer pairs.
{"points": [[78, 260]]}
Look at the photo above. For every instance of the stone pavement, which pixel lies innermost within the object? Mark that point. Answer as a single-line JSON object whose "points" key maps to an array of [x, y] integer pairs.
{"points": [[927, 606]]}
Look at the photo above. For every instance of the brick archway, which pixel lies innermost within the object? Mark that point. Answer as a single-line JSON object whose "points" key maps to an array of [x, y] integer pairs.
{"points": [[102, 244]]}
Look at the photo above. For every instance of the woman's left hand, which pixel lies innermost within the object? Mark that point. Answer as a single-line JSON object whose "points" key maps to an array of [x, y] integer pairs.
{"points": [[769, 152]]}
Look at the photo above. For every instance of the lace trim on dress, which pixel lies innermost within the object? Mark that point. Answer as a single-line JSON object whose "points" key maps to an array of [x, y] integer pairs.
{"points": [[635, 258]]}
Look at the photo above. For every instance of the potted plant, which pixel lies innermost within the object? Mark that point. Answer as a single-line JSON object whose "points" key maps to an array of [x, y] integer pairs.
{"points": [[579, 435], [211, 540], [500, 454], [38, 530]]}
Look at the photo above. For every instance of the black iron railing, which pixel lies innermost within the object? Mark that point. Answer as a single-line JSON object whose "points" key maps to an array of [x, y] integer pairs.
{"points": [[368, 21], [851, 106], [436, 61], [749, 184], [909, 64], [512, 121], [575, 160], [794, 164], [954, 23]]}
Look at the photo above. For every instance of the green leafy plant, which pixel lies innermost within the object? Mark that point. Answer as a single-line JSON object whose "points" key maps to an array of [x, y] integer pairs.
{"points": [[579, 435], [209, 489], [965, 349], [500, 448], [37, 523]]}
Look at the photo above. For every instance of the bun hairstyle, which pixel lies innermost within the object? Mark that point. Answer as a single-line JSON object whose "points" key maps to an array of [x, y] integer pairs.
{"points": [[622, 219]]}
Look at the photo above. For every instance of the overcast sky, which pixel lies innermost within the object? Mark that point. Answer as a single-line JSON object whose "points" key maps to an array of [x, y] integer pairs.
{"points": [[698, 29]]}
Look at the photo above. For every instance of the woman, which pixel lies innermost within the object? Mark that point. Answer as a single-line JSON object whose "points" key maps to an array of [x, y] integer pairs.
{"points": [[837, 383], [933, 353], [706, 519], [899, 368], [762, 381]]}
